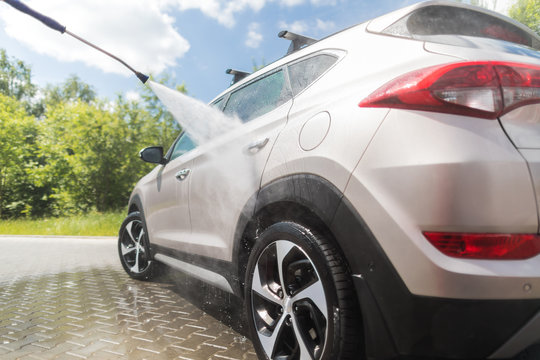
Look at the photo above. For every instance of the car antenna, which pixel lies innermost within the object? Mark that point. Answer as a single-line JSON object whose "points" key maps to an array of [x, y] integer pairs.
{"points": [[55, 25], [297, 41], [237, 75]]}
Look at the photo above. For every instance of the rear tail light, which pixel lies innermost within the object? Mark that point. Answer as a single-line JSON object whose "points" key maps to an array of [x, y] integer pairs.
{"points": [[480, 89], [486, 246]]}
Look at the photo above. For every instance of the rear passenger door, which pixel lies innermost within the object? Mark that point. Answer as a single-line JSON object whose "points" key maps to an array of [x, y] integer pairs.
{"points": [[228, 173]]}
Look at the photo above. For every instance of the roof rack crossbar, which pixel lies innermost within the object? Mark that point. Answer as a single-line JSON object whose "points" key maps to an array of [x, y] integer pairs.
{"points": [[237, 75], [297, 41]]}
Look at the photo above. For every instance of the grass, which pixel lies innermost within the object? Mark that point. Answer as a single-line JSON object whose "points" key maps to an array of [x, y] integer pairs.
{"points": [[92, 224]]}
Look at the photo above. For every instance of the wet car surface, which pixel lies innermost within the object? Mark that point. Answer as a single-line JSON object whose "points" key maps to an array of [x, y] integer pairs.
{"points": [[69, 298]]}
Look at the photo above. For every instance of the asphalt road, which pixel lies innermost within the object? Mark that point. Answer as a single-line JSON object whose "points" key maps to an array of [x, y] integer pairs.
{"points": [[69, 298]]}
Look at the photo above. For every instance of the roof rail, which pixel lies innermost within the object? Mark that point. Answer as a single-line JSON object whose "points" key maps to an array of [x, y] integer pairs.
{"points": [[237, 75], [297, 41]]}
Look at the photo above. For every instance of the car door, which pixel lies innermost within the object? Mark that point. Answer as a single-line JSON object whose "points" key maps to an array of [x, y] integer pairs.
{"points": [[228, 173], [167, 211]]}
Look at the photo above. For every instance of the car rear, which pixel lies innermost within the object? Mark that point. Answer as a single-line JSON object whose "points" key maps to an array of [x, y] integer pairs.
{"points": [[449, 187]]}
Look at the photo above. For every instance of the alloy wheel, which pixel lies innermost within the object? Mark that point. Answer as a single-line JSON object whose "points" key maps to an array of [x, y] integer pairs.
{"points": [[133, 247], [289, 304]]}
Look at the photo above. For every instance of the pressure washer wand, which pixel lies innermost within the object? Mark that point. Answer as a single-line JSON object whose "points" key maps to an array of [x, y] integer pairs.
{"points": [[55, 25]]}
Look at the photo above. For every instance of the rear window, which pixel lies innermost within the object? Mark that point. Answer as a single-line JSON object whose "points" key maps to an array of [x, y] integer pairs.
{"points": [[430, 21], [305, 72]]}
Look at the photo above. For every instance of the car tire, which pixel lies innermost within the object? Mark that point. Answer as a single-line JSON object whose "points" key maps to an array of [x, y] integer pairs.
{"points": [[133, 248], [300, 302]]}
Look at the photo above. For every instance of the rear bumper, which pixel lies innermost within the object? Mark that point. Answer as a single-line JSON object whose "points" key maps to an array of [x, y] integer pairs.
{"points": [[525, 338], [449, 328], [399, 323]]}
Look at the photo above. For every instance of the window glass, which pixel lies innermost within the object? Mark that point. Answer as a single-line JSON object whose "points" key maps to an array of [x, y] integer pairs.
{"points": [[259, 97], [217, 104], [305, 72], [431, 22], [182, 146]]}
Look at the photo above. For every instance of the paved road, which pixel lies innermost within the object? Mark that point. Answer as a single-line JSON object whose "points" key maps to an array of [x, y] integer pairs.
{"points": [[68, 298]]}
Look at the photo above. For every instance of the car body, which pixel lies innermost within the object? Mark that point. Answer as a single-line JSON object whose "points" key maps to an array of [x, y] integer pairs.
{"points": [[391, 171]]}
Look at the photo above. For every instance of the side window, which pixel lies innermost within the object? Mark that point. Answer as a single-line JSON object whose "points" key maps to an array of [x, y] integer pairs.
{"points": [[182, 146], [218, 103], [258, 97], [305, 72]]}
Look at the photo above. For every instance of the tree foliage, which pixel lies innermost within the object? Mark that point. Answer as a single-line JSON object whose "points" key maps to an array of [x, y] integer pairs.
{"points": [[15, 78], [527, 12], [73, 89], [18, 133], [69, 151]]}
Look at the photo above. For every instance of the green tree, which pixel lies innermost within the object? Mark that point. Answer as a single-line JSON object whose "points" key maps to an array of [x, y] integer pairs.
{"points": [[18, 132], [16, 81], [71, 152], [85, 148], [72, 89], [15, 78], [527, 12], [89, 151]]}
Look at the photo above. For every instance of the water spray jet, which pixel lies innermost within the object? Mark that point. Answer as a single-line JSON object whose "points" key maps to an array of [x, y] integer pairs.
{"points": [[201, 121]]}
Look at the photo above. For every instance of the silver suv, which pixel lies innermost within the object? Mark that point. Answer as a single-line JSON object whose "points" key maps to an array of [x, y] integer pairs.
{"points": [[380, 198]]}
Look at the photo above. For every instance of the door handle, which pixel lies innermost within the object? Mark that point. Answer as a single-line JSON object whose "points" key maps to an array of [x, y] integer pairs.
{"points": [[182, 174], [257, 145]]}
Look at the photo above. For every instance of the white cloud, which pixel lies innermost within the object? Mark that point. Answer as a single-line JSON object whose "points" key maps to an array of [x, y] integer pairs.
{"points": [[291, 2], [323, 2], [310, 28], [299, 26], [325, 25], [254, 37], [137, 31], [223, 11], [132, 96]]}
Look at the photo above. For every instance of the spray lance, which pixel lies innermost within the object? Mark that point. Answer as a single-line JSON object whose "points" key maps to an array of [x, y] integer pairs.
{"points": [[55, 25], [192, 115]]}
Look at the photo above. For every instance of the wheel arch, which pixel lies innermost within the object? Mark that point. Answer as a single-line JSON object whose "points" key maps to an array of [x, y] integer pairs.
{"points": [[135, 204], [307, 199], [315, 203]]}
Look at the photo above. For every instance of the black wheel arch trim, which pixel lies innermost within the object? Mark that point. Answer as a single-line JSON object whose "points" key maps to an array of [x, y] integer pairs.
{"points": [[135, 204]]}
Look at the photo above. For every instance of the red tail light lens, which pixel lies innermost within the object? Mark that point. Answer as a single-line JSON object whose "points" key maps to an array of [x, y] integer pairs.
{"points": [[479, 89], [486, 246]]}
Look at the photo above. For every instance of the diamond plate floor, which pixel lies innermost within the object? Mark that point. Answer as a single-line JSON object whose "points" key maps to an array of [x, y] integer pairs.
{"points": [[98, 312]]}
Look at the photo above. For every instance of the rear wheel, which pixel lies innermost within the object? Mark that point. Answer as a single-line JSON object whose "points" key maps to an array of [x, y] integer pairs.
{"points": [[133, 248], [299, 297]]}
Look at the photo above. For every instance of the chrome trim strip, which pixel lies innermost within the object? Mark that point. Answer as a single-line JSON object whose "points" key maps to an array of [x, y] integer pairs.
{"points": [[197, 272]]}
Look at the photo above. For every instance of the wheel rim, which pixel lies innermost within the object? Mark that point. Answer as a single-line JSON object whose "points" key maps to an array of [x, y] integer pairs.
{"points": [[133, 247], [289, 303]]}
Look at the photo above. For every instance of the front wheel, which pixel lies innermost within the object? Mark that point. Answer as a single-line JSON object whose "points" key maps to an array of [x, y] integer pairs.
{"points": [[133, 248], [299, 297]]}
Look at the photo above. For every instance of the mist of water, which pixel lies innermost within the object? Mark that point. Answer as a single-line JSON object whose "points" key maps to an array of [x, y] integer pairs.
{"points": [[201, 121]]}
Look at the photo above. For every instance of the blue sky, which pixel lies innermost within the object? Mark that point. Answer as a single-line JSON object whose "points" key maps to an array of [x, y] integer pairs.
{"points": [[194, 41]]}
